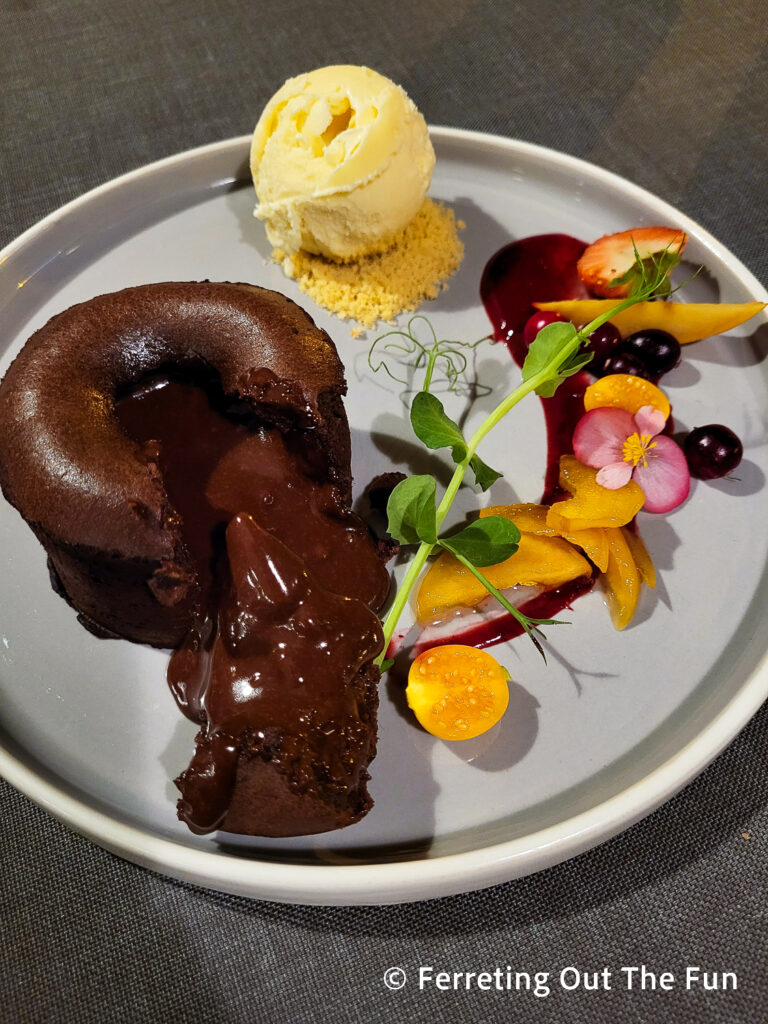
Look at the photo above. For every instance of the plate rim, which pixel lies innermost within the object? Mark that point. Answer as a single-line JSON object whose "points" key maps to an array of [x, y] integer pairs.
{"points": [[427, 877]]}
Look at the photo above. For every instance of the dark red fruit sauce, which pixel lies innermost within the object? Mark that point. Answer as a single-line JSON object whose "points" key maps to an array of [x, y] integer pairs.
{"points": [[541, 268], [538, 269]]}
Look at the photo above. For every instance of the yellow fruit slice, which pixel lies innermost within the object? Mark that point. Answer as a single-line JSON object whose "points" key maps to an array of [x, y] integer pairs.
{"points": [[687, 321], [544, 561], [623, 391], [592, 505], [621, 580], [457, 692], [593, 542], [533, 519], [528, 518], [642, 559]]}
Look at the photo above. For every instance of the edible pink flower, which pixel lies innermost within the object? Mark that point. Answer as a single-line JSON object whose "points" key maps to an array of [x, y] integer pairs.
{"points": [[625, 447]]}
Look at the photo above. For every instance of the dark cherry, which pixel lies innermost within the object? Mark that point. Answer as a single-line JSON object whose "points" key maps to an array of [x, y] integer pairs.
{"points": [[603, 342], [712, 451], [658, 351], [536, 322], [622, 362]]}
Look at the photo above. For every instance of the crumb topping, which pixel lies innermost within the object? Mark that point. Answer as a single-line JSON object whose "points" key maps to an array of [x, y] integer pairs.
{"points": [[415, 267]]}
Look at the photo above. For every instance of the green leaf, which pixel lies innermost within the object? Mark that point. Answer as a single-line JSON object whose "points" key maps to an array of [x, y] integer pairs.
{"points": [[484, 542], [484, 475], [571, 366], [386, 665], [411, 511], [434, 428], [545, 346]]}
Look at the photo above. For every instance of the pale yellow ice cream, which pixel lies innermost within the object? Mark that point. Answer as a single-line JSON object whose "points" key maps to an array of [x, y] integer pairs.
{"points": [[341, 160]]}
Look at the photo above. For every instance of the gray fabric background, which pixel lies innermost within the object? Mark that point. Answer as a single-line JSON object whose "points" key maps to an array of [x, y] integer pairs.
{"points": [[671, 94]]}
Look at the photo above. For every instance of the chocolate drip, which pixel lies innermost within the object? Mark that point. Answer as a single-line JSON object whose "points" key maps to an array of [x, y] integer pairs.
{"points": [[274, 667], [282, 674]]}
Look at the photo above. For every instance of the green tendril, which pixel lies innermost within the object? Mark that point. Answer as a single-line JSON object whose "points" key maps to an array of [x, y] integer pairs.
{"points": [[398, 348]]}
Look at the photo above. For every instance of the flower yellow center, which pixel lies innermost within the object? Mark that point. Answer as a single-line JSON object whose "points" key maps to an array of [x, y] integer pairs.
{"points": [[636, 448]]}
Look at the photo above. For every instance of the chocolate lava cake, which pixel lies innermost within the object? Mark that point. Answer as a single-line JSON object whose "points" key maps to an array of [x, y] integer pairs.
{"points": [[182, 453]]}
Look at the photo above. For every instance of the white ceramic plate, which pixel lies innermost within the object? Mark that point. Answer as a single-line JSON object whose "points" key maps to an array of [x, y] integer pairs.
{"points": [[614, 725]]}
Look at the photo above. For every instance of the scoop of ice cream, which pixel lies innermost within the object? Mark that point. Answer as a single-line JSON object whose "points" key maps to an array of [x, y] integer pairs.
{"points": [[341, 160]]}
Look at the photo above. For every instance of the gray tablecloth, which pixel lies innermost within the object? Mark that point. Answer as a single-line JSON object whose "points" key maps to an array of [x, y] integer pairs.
{"points": [[671, 94]]}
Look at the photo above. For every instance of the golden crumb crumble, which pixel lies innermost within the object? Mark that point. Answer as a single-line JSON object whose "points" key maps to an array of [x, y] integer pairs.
{"points": [[415, 267]]}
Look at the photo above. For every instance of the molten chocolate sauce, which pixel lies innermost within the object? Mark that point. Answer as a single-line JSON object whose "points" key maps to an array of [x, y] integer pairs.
{"points": [[288, 577], [278, 676], [537, 269]]}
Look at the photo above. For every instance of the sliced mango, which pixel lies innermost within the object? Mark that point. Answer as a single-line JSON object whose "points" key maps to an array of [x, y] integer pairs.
{"points": [[593, 542], [545, 561], [528, 518], [533, 519], [546, 555], [592, 505], [642, 559], [687, 321], [624, 391], [621, 580]]}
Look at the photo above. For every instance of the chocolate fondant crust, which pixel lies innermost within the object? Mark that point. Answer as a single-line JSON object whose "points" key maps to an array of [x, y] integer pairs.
{"points": [[95, 498], [120, 552]]}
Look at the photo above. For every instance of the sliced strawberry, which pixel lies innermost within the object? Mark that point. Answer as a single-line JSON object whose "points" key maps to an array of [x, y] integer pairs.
{"points": [[605, 266]]}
